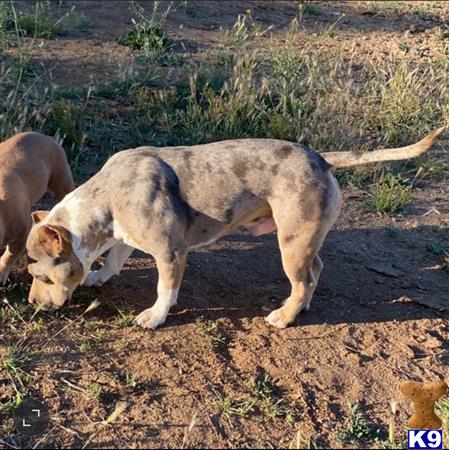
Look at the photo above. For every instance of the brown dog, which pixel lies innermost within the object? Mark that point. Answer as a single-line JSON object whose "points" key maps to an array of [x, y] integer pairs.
{"points": [[29, 163], [167, 201]]}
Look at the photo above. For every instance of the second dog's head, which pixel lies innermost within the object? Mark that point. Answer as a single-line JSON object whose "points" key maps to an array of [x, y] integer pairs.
{"points": [[56, 270]]}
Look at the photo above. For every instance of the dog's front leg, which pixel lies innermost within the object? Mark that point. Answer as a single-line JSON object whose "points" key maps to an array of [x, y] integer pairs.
{"points": [[10, 256], [115, 260], [170, 269]]}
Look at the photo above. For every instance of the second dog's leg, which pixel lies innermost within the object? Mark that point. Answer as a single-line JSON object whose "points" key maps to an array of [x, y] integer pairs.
{"points": [[171, 271], [10, 256], [115, 260]]}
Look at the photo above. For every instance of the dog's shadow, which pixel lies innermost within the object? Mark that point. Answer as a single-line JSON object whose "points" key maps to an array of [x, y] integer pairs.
{"points": [[370, 275]]}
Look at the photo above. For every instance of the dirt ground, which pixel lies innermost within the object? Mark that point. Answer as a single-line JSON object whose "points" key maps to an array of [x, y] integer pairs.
{"points": [[379, 314]]}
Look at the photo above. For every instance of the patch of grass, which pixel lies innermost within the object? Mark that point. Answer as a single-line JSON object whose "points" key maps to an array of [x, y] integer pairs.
{"points": [[124, 319], [270, 402], [244, 31], [310, 9], [408, 103], [15, 310], [131, 380], [14, 363], [429, 165], [361, 176], [85, 346], [7, 427], [293, 95], [261, 397], [328, 31], [38, 325], [357, 429], [15, 360], [17, 95], [6, 23], [36, 22], [229, 406], [212, 330], [93, 391], [77, 22], [389, 195], [68, 121], [147, 34]]}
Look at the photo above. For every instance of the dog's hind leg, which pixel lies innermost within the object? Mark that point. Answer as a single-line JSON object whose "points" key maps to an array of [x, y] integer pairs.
{"points": [[61, 180], [302, 227], [302, 266], [171, 270], [115, 260]]}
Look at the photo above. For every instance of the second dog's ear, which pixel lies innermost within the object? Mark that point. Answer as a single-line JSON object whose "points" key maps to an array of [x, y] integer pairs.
{"points": [[53, 239], [38, 216]]}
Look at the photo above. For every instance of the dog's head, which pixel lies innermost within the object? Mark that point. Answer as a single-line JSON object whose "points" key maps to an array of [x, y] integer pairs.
{"points": [[56, 269]]}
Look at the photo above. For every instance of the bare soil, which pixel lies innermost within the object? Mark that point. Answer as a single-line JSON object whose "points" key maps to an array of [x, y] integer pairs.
{"points": [[379, 315]]}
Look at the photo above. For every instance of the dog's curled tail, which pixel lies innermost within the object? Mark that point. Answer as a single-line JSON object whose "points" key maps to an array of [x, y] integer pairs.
{"points": [[348, 159]]}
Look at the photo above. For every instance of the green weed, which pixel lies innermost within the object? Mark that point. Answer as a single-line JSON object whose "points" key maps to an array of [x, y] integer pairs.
{"points": [[388, 195], [147, 34], [228, 406], [357, 429], [93, 391], [68, 121], [310, 9], [212, 330], [244, 31], [124, 319], [131, 380]]}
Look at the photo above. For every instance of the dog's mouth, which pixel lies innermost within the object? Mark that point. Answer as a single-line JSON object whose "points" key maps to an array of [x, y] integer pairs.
{"points": [[46, 305]]}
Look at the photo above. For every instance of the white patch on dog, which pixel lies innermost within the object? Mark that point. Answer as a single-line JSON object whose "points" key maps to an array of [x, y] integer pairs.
{"points": [[157, 314], [94, 278], [73, 206], [117, 256]]}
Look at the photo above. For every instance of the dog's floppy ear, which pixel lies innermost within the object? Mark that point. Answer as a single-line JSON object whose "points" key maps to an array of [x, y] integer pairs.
{"points": [[54, 239], [38, 216]]}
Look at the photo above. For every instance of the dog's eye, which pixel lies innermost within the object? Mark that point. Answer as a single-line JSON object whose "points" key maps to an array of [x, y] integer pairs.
{"points": [[43, 279]]}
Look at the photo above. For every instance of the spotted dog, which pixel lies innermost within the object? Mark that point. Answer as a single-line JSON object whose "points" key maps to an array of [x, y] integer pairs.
{"points": [[29, 163], [167, 201]]}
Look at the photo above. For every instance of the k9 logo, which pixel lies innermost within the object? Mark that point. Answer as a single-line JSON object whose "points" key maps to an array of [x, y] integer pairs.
{"points": [[429, 439]]}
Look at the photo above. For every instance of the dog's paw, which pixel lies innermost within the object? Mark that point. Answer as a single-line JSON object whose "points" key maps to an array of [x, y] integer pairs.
{"points": [[277, 319], [150, 319], [93, 279]]}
